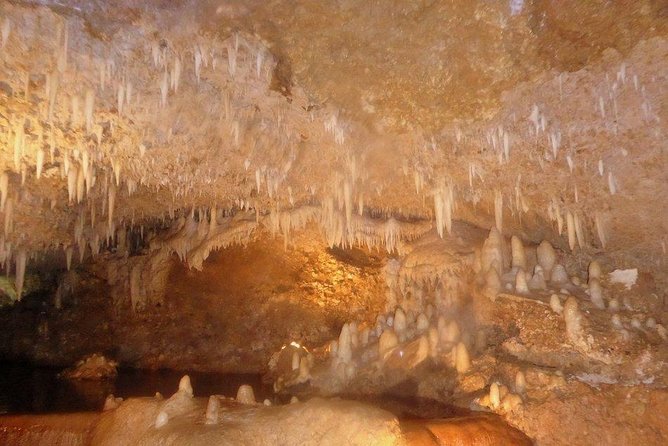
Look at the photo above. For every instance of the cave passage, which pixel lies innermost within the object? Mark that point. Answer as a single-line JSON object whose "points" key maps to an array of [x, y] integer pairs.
{"points": [[298, 222]]}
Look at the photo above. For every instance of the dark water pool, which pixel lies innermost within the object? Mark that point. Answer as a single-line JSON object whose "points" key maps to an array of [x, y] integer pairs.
{"points": [[27, 388]]}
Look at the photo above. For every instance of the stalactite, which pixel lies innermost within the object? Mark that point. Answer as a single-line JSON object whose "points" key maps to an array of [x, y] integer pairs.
{"points": [[259, 60], [164, 89], [9, 216], [600, 229], [579, 232], [176, 74], [19, 143], [53, 91], [5, 32], [89, 108], [4, 190], [111, 203], [39, 163], [21, 258], [80, 185], [198, 64], [555, 142], [68, 257], [570, 227], [116, 166], [348, 203], [82, 250], [498, 210], [443, 207], [120, 98], [612, 184]]}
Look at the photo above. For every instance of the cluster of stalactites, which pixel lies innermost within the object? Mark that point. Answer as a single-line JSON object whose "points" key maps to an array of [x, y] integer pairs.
{"points": [[533, 136], [83, 92], [346, 230]]}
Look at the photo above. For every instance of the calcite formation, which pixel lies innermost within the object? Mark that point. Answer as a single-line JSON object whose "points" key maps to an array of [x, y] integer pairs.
{"points": [[473, 191]]}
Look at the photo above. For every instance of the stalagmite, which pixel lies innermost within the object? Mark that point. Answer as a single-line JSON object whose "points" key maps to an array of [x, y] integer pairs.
{"points": [[521, 286], [559, 274], [494, 396], [185, 386], [245, 395], [573, 320], [492, 252], [537, 281], [387, 341], [492, 283], [547, 257], [344, 352], [422, 323], [212, 410], [462, 359], [594, 270], [519, 258], [596, 294], [555, 304]]}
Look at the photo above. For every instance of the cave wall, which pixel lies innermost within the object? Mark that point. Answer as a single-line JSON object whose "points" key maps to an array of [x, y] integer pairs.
{"points": [[245, 303]]}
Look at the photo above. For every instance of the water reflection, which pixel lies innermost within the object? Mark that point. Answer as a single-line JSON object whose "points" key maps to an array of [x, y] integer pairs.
{"points": [[26, 388]]}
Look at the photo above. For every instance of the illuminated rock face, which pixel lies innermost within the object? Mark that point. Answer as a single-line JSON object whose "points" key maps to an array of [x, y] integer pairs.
{"points": [[478, 175]]}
